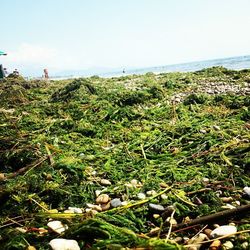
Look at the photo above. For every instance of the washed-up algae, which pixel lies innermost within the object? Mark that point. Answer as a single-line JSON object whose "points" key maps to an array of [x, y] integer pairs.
{"points": [[187, 133]]}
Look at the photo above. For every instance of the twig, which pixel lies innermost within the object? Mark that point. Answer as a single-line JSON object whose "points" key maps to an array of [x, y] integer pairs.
{"points": [[44, 208], [198, 232], [49, 155], [12, 223], [199, 191], [143, 152], [187, 202], [170, 226]]}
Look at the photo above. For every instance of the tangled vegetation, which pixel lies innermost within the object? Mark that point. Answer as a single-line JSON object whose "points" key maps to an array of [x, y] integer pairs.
{"points": [[169, 134]]}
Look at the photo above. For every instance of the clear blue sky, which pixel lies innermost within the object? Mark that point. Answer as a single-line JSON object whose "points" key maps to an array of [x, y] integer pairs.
{"points": [[82, 34]]}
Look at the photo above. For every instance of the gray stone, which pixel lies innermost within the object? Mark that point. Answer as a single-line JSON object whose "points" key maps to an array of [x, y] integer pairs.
{"points": [[156, 208], [116, 202]]}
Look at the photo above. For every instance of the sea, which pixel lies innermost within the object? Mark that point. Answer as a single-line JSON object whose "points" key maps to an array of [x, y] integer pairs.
{"points": [[236, 63]]}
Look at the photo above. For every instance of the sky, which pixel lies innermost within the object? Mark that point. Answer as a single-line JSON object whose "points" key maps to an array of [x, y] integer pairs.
{"points": [[64, 35]]}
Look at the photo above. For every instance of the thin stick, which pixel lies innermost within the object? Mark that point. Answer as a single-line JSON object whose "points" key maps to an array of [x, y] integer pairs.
{"points": [[143, 152], [16, 222], [199, 232], [38, 204], [170, 227], [9, 224], [187, 202]]}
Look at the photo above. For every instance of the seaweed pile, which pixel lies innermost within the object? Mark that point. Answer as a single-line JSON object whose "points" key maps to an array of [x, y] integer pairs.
{"points": [[133, 162]]}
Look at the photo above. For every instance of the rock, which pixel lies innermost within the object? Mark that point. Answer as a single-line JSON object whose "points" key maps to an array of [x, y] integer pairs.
{"points": [[94, 207], [245, 245], [156, 208], [49, 177], [31, 248], [223, 231], [151, 193], [115, 202], [105, 182], [205, 179], [57, 226], [216, 244], [227, 245], [171, 221], [196, 241], [63, 244], [97, 192], [164, 197], [134, 182], [105, 206], [156, 216], [208, 232], [226, 199], [2, 177], [236, 203], [102, 199], [246, 190], [141, 196], [178, 239], [75, 210], [163, 185], [124, 203]]}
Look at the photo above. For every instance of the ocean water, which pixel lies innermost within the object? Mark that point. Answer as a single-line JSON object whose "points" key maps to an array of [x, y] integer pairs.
{"points": [[236, 63]]}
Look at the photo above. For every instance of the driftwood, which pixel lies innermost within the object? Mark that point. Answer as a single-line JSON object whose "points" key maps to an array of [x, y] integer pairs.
{"points": [[239, 211], [25, 169]]}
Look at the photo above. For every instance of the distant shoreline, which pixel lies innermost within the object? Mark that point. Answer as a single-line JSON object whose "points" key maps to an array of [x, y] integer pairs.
{"points": [[235, 63]]}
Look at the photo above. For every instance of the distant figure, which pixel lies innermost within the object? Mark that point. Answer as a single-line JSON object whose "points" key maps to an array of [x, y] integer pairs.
{"points": [[15, 72], [123, 71], [46, 74], [6, 73]]}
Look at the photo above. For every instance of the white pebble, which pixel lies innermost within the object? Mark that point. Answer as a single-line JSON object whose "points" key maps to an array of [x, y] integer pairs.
{"points": [[63, 244], [245, 245], [164, 197], [97, 192], [223, 230], [105, 182], [151, 193], [134, 182], [247, 190], [141, 196], [57, 226], [75, 210], [227, 245]]}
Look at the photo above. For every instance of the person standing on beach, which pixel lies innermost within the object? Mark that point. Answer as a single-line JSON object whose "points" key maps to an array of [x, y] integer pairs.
{"points": [[46, 74]]}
